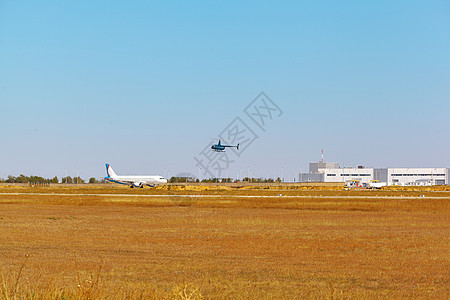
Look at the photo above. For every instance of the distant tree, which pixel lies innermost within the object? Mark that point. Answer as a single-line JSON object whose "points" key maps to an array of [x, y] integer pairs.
{"points": [[278, 179], [78, 180], [21, 179], [93, 180], [67, 179], [30, 179], [37, 179], [181, 179], [11, 179]]}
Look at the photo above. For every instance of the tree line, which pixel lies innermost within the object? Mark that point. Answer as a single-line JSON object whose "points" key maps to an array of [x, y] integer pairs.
{"points": [[75, 180], [38, 179], [223, 180]]}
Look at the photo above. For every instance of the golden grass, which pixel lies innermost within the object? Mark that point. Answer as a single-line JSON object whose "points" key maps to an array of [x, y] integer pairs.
{"points": [[435, 191], [102, 247]]}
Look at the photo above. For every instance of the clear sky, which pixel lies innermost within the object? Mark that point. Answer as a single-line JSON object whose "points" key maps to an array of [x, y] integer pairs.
{"points": [[144, 85]]}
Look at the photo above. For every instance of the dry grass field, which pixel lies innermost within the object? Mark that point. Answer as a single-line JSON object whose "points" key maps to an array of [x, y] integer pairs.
{"points": [[80, 243]]}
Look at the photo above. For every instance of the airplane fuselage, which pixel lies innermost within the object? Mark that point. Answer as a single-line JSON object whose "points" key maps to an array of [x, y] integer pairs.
{"points": [[134, 180]]}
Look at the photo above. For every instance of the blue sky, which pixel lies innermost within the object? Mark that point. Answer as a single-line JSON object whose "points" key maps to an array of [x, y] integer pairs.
{"points": [[144, 85]]}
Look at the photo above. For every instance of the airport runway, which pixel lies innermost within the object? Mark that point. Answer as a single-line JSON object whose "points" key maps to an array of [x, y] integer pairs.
{"points": [[228, 196]]}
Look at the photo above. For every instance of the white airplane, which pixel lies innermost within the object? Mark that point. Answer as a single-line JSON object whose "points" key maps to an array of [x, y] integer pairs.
{"points": [[134, 180]]}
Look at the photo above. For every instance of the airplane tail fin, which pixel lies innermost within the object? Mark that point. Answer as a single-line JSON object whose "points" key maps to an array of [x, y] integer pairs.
{"points": [[110, 172]]}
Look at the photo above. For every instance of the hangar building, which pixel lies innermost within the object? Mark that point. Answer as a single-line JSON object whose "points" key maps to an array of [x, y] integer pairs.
{"points": [[362, 176]]}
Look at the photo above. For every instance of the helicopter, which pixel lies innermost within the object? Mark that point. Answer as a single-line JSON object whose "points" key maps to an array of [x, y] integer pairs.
{"points": [[221, 148]]}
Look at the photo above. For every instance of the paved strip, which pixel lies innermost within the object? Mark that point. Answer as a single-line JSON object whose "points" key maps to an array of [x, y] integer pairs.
{"points": [[229, 196]]}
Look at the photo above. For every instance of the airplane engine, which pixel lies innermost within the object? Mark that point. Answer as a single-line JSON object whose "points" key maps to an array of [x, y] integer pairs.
{"points": [[139, 184]]}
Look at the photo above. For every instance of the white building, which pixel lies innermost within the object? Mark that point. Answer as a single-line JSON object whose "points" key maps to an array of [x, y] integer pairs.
{"points": [[351, 176], [361, 176], [412, 176], [331, 172], [315, 166]]}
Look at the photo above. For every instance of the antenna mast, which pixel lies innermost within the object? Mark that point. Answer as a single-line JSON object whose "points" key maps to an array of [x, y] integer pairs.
{"points": [[322, 155]]}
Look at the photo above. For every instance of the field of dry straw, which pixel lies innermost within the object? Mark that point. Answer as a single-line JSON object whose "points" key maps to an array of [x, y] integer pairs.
{"points": [[115, 243]]}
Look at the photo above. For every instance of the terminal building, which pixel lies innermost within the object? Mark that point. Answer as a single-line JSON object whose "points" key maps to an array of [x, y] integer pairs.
{"points": [[363, 177]]}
